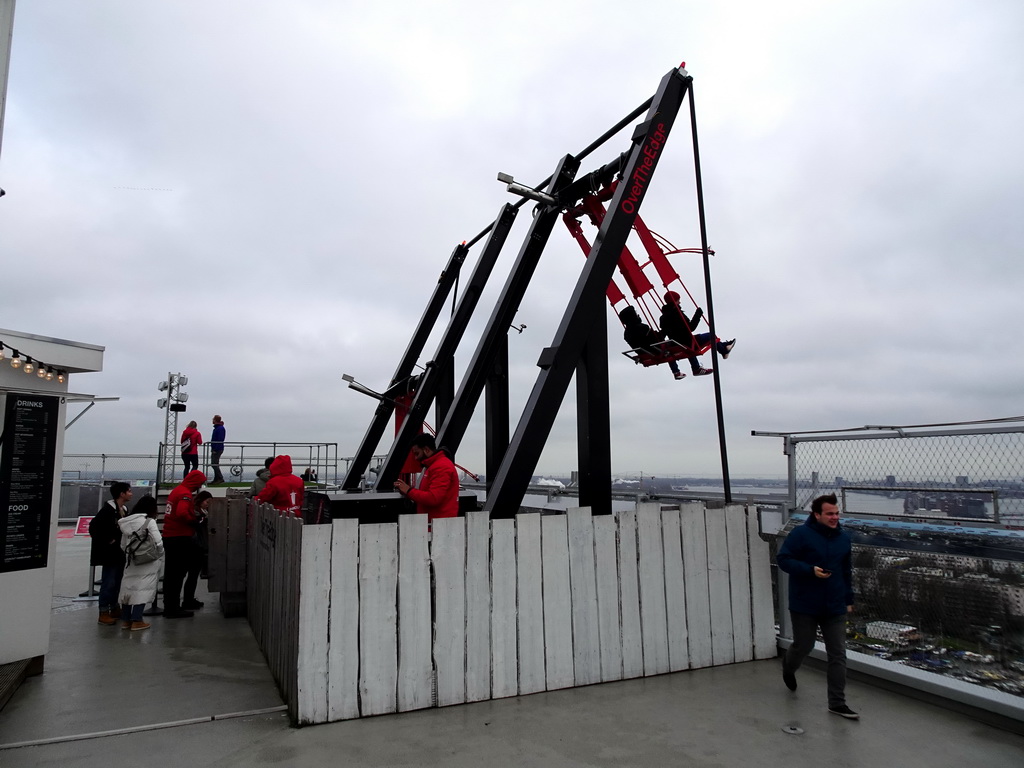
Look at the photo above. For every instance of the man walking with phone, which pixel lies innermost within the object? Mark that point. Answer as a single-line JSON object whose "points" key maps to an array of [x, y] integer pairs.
{"points": [[817, 557]]}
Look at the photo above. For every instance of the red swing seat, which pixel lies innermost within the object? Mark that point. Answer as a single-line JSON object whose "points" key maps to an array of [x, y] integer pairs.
{"points": [[666, 351], [658, 249]]}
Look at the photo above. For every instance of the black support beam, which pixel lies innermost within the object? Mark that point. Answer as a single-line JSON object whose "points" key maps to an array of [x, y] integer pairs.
{"points": [[433, 379], [586, 306], [496, 333], [386, 407]]}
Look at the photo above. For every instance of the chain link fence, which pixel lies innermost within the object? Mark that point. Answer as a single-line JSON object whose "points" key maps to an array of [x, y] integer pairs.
{"points": [[937, 520]]}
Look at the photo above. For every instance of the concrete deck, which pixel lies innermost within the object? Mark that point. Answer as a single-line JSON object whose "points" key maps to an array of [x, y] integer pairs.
{"points": [[100, 679]]}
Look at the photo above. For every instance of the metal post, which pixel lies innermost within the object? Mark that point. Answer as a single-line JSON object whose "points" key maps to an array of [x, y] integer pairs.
{"points": [[593, 424], [496, 412], [723, 450]]}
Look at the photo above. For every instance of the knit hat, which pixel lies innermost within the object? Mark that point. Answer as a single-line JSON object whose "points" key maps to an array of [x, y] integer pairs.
{"points": [[672, 297]]}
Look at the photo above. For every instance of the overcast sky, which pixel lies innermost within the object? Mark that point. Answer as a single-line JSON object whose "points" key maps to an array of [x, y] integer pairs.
{"points": [[261, 195]]}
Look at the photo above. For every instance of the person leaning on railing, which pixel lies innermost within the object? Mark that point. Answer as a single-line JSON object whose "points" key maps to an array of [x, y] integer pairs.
{"points": [[261, 477]]}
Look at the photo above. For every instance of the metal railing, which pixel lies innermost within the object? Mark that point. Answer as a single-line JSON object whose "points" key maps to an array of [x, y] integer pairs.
{"points": [[242, 460]]}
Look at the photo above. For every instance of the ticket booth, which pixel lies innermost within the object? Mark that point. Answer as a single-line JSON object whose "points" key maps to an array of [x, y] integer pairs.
{"points": [[35, 389]]}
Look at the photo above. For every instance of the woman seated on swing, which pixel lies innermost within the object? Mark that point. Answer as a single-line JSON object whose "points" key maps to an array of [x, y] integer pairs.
{"points": [[641, 337], [678, 327]]}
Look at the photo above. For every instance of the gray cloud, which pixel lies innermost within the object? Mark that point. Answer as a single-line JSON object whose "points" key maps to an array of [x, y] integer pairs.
{"points": [[262, 196]]}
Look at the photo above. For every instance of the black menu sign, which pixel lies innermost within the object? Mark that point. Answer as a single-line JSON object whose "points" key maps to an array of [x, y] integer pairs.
{"points": [[27, 457]]}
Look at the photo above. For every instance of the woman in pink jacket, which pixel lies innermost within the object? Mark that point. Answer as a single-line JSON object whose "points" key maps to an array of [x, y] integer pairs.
{"points": [[190, 442]]}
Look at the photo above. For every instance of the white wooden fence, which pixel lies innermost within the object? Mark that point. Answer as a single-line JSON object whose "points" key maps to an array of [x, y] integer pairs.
{"points": [[372, 619]]}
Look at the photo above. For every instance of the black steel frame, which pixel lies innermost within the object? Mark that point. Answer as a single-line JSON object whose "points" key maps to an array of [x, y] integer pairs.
{"points": [[580, 344]]}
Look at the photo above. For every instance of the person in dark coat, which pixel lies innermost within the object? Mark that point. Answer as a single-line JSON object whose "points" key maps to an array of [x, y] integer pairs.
{"points": [[818, 558], [642, 338], [217, 448], [105, 550], [678, 327]]}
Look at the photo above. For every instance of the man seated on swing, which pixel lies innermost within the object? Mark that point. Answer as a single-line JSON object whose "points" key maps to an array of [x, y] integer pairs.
{"points": [[678, 327], [642, 338]]}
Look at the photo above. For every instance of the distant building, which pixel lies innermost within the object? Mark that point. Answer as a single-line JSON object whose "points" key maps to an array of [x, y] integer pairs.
{"points": [[894, 633]]}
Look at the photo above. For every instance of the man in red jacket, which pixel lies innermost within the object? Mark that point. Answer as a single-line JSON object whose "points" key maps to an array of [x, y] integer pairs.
{"points": [[438, 494], [180, 548], [284, 490]]}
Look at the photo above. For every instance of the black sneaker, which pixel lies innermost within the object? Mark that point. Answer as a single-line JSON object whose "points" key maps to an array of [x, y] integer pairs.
{"points": [[789, 679], [727, 348], [844, 711]]}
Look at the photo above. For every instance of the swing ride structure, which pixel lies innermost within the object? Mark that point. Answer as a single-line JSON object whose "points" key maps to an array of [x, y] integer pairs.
{"points": [[609, 198]]}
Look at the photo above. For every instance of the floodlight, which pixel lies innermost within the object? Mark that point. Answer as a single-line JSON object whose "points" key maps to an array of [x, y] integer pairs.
{"points": [[182, 381], [181, 397], [162, 386], [161, 403]]}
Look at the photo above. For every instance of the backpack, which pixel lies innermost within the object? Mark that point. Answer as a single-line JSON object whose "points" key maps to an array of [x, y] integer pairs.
{"points": [[142, 548]]}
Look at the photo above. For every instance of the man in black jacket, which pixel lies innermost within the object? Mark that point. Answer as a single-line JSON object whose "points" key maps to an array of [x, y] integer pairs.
{"points": [[818, 556], [678, 327], [106, 550]]}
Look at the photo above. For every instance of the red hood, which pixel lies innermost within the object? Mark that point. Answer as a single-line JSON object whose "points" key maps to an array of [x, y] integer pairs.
{"points": [[282, 465], [194, 480]]}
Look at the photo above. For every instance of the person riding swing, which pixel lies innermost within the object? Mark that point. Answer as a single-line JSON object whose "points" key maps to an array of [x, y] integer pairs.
{"points": [[678, 327]]}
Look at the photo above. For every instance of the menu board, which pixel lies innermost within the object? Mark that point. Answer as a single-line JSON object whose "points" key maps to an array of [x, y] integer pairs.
{"points": [[28, 448]]}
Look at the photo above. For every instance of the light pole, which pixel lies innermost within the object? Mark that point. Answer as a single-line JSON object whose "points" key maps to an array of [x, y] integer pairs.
{"points": [[173, 404]]}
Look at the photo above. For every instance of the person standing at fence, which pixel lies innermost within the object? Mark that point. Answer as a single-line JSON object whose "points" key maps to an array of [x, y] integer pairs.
{"points": [[217, 448], [190, 442], [261, 477], [140, 578], [818, 558], [182, 551], [284, 490], [105, 550], [438, 492]]}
